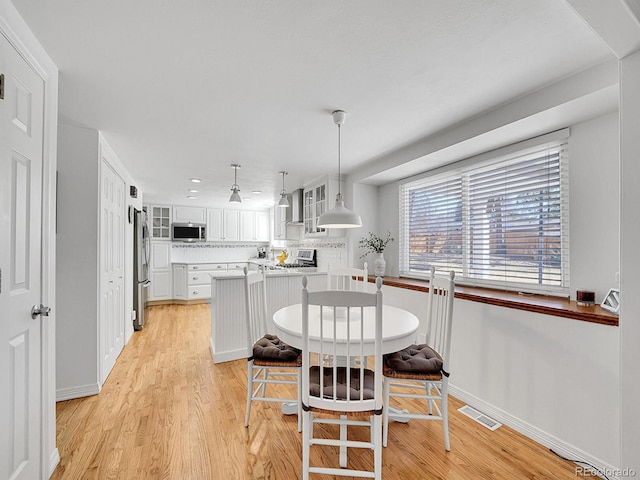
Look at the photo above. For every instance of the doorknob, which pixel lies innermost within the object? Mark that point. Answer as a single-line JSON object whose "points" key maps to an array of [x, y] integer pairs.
{"points": [[40, 310]]}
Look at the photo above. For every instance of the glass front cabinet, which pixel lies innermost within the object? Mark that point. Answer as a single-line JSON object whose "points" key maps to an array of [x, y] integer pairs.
{"points": [[160, 222], [316, 201]]}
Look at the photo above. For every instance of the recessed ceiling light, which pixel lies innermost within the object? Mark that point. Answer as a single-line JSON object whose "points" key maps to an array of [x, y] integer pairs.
{"points": [[195, 180], [192, 190], [257, 192], [191, 197]]}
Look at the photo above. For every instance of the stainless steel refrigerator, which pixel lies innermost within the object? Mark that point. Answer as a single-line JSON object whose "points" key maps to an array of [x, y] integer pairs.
{"points": [[141, 280]]}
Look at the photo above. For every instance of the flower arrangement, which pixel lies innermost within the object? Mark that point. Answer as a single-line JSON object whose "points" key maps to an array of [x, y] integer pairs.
{"points": [[374, 244]]}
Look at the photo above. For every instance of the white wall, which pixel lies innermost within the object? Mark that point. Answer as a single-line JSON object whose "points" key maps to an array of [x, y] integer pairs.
{"points": [[365, 203], [594, 172], [630, 261], [77, 258], [78, 261], [555, 379]]}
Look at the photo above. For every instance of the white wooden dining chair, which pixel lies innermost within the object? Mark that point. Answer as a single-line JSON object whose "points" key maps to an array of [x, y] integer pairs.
{"points": [[422, 371], [347, 278], [270, 361], [337, 391]]}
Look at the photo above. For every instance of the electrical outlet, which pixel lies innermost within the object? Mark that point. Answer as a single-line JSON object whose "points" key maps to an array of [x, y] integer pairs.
{"points": [[133, 315]]}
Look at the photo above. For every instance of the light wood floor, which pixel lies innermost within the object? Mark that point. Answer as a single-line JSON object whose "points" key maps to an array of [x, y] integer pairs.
{"points": [[167, 412]]}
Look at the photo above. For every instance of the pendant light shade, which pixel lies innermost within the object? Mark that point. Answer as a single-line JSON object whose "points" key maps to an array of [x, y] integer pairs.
{"points": [[235, 189], [339, 216], [284, 203]]}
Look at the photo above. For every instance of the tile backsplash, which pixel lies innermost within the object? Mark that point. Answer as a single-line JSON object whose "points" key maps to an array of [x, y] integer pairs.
{"points": [[334, 251]]}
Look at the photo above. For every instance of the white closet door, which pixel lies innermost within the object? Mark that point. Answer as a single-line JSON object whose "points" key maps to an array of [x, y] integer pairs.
{"points": [[112, 315]]}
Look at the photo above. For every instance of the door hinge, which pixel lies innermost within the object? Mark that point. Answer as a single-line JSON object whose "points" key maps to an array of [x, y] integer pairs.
{"points": [[1, 86]]}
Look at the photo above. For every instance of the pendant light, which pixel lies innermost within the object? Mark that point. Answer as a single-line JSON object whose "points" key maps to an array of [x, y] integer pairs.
{"points": [[284, 203], [339, 216], [235, 189]]}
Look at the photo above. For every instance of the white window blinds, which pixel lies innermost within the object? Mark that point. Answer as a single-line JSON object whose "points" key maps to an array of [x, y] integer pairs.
{"points": [[499, 224]]}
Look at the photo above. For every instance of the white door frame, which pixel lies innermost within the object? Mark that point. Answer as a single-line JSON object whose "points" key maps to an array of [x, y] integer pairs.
{"points": [[16, 31]]}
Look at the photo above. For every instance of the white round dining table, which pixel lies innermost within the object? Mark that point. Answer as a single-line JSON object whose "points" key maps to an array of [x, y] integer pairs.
{"points": [[399, 327]]}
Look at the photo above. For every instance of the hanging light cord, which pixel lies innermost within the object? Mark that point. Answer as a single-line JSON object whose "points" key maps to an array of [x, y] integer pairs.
{"points": [[235, 178], [339, 179]]}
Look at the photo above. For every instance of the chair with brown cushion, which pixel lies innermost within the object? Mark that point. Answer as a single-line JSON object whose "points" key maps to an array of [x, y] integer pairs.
{"points": [[270, 360], [332, 392], [422, 371]]}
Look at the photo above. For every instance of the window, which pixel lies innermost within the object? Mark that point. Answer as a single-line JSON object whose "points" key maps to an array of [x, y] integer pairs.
{"points": [[499, 223]]}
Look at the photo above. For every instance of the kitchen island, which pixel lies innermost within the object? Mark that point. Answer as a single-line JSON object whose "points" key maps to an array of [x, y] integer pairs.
{"points": [[228, 311]]}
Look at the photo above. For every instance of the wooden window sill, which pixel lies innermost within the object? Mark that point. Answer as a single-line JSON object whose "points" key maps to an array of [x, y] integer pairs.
{"points": [[548, 305]]}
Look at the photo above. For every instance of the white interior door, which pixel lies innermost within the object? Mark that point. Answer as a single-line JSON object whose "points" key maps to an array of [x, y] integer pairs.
{"points": [[21, 129], [112, 314]]}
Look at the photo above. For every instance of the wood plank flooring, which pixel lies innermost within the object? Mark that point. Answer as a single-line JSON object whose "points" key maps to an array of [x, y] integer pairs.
{"points": [[167, 412]]}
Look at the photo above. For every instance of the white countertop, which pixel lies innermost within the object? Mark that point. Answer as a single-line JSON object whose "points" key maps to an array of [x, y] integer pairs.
{"points": [[291, 272]]}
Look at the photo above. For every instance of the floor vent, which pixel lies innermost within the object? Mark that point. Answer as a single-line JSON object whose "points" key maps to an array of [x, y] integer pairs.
{"points": [[479, 417]]}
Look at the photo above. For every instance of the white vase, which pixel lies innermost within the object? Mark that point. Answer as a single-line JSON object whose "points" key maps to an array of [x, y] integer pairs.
{"points": [[379, 265]]}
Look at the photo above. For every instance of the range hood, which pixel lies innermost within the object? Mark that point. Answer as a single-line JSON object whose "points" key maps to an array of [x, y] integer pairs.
{"points": [[295, 207]]}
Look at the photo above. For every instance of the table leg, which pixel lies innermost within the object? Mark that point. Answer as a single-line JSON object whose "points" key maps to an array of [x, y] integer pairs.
{"points": [[398, 415], [289, 408]]}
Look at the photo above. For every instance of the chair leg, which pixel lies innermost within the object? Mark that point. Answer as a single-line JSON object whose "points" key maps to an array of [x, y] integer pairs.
{"points": [[376, 429], [343, 438], [444, 406], [264, 385], [385, 410], [249, 391], [299, 399], [307, 426]]}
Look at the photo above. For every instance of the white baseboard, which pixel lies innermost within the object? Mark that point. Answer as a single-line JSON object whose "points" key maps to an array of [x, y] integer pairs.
{"points": [[220, 357], [537, 435], [54, 460], [77, 392]]}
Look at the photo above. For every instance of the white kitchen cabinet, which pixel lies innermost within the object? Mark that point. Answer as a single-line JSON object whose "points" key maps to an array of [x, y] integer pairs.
{"points": [[254, 226], [179, 281], [231, 225], [159, 221], [318, 198], [237, 267], [247, 226], [199, 279], [262, 226], [315, 204], [189, 214], [282, 228], [161, 287], [223, 225]]}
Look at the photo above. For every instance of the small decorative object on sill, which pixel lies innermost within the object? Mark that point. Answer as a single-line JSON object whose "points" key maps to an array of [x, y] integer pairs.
{"points": [[586, 298], [375, 244]]}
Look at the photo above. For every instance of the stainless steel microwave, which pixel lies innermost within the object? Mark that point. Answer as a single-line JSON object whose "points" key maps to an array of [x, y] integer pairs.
{"points": [[188, 232]]}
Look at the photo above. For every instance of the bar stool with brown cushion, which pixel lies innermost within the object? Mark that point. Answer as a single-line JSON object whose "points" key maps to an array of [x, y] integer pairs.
{"points": [[422, 371]]}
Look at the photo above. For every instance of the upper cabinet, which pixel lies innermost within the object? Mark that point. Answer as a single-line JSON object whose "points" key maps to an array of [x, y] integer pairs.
{"points": [[254, 226], [319, 197], [159, 222], [262, 226], [315, 204], [189, 214], [223, 225]]}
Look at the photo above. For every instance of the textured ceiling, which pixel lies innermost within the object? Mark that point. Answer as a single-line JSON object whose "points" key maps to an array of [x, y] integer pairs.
{"points": [[184, 89]]}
